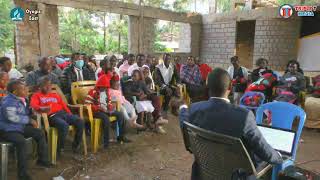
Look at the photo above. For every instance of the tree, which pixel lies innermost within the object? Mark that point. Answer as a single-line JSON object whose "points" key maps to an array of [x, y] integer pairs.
{"points": [[304, 2], [6, 27], [181, 5]]}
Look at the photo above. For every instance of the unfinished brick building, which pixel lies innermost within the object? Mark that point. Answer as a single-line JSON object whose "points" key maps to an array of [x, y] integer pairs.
{"points": [[250, 34]]}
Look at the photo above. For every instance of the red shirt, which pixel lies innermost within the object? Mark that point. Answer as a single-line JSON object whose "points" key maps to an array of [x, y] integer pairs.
{"points": [[64, 65], [204, 70], [178, 66], [53, 100]]}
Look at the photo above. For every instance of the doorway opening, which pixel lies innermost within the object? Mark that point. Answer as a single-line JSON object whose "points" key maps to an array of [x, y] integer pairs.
{"points": [[245, 42]]}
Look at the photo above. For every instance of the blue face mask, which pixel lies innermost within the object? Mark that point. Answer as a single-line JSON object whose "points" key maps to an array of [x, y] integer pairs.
{"points": [[79, 64]]}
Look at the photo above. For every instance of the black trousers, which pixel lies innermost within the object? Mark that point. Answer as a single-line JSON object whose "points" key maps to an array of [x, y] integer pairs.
{"points": [[18, 140], [61, 121], [168, 96], [106, 124]]}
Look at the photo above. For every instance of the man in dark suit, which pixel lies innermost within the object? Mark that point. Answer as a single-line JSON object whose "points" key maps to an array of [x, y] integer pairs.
{"points": [[218, 115]]}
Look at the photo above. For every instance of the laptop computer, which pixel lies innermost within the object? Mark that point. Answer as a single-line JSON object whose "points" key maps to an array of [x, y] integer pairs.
{"points": [[282, 140]]}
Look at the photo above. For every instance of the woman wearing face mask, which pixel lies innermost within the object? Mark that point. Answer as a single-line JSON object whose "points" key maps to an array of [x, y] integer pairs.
{"points": [[76, 71]]}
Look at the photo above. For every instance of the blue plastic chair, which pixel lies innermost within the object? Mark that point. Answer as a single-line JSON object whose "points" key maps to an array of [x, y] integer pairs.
{"points": [[251, 93], [282, 116]]}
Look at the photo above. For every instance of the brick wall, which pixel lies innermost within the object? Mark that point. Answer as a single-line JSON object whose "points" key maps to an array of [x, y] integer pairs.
{"points": [[218, 42], [276, 40]]}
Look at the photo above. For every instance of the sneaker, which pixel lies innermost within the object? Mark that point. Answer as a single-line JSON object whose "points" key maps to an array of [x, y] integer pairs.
{"points": [[160, 130], [44, 164], [123, 140], [135, 125], [161, 121]]}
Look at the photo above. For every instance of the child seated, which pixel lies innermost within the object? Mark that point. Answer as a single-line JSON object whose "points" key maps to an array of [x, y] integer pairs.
{"points": [[15, 126], [59, 114], [137, 87], [127, 108], [146, 99], [4, 79], [100, 100]]}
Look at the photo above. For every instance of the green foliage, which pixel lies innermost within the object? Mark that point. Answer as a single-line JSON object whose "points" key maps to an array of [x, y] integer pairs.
{"points": [[181, 5], [6, 26], [82, 31], [224, 5], [306, 2]]}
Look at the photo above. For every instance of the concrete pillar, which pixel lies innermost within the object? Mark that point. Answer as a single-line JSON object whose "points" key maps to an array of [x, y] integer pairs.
{"points": [[141, 39], [36, 38], [195, 39], [27, 33], [48, 30], [184, 38]]}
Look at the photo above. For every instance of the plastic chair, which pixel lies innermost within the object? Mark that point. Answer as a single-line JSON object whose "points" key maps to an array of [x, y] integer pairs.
{"points": [[282, 116], [219, 156], [79, 91], [52, 135], [184, 94], [4, 155]]}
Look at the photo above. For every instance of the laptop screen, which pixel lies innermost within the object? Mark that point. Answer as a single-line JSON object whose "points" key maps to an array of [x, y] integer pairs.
{"points": [[279, 139]]}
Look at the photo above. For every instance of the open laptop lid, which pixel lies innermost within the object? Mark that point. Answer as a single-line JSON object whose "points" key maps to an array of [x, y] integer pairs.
{"points": [[282, 140]]}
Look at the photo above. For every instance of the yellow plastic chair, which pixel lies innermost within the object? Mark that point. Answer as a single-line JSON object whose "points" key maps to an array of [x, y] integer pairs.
{"points": [[79, 92], [52, 133], [184, 93], [158, 94]]}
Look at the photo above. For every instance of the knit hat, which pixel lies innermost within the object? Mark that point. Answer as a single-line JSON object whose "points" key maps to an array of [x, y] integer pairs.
{"points": [[103, 81]]}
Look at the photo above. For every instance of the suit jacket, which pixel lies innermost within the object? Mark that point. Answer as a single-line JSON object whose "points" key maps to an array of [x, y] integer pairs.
{"points": [[69, 76], [219, 116]]}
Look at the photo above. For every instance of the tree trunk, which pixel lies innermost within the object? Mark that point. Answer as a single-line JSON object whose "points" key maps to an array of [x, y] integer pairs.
{"points": [[119, 36], [104, 31]]}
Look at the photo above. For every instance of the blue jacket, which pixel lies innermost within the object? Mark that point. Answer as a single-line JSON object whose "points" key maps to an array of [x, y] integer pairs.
{"points": [[14, 114], [219, 116]]}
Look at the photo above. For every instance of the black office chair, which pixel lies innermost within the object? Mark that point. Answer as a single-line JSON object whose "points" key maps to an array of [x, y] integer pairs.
{"points": [[219, 156]]}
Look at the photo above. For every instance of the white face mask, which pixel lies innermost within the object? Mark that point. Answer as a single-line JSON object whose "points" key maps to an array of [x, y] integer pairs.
{"points": [[103, 97], [103, 100]]}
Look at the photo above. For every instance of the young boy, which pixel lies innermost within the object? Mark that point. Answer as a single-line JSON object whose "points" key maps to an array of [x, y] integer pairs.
{"points": [[59, 114], [100, 100], [4, 79], [15, 126]]}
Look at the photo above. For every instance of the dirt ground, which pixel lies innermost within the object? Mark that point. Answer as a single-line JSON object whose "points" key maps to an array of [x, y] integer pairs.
{"points": [[150, 157]]}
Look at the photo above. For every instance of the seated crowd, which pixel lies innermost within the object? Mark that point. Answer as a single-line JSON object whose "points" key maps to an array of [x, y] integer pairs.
{"points": [[141, 85]]}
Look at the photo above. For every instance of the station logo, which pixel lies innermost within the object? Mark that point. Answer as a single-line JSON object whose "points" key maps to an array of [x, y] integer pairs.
{"points": [[286, 11], [17, 14]]}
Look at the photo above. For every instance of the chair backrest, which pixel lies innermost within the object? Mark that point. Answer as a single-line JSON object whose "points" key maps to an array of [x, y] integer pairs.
{"points": [[218, 156], [80, 89], [55, 88], [283, 115]]}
